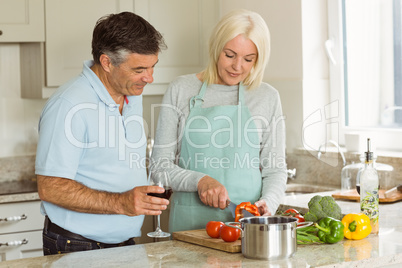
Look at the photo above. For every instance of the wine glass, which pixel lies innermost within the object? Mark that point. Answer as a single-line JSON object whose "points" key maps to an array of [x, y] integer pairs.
{"points": [[161, 179]]}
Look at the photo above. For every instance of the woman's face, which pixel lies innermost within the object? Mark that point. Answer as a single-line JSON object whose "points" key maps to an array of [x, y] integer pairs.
{"points": [[236, 60]]}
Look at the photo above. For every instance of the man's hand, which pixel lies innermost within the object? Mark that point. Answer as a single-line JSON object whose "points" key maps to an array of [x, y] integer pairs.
{"points": [[138, 202], [80, 198], [212, 193], [263, 208]]}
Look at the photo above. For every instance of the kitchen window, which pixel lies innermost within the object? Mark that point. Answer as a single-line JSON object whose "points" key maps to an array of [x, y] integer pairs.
{"points": [[365, 52]]}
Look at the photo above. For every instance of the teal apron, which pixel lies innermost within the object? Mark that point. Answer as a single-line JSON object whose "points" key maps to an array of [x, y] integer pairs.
{"points": [[222, 142]]}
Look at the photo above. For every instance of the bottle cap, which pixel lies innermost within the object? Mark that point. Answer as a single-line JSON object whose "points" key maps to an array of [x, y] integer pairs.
{"points": [[369, 155]]}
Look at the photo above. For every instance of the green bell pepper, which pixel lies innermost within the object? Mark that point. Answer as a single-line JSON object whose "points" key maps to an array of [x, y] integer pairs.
{"points": [[330, 230]]}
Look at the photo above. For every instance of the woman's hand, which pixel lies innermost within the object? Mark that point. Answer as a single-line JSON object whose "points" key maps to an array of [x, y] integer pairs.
{"points": [[212, 192], [263, 208]]}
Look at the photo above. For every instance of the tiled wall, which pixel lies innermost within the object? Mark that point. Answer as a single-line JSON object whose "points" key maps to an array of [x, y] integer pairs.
{"points": [[327, 170]]}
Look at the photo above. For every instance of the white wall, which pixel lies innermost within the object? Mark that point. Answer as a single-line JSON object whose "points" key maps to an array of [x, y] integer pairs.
{"points": [[298, 67], [18, 117]]}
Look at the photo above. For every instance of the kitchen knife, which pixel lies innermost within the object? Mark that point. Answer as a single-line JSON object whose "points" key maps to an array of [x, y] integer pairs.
{"points": [[393, 191], [232, 207]]}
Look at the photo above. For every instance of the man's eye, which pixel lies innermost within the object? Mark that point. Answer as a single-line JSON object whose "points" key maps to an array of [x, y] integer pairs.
{"points": [[139, 71]]}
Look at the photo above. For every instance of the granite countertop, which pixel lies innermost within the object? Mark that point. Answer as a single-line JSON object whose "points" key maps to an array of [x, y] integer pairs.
{"points": [[18, 191], [373, 251]]}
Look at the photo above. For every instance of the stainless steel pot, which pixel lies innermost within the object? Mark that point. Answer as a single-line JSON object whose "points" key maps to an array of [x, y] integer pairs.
{"points": [[268, 237]]}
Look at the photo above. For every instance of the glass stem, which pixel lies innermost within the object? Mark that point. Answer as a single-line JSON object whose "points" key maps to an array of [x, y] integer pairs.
{"points": [[158, 227]]}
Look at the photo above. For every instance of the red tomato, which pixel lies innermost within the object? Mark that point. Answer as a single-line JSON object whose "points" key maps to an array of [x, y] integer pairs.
{"points": [[213, 228], [229, 234]]}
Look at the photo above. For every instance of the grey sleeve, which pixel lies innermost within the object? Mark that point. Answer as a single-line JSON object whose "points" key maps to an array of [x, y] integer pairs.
{"points": [[166, 151], [273, 157]]}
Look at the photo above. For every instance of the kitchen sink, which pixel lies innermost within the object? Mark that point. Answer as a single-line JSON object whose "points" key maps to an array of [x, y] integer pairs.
{"points": [[296, 188]]}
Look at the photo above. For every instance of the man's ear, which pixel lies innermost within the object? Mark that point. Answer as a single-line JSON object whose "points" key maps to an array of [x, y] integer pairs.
{"points": [[105, 62]]}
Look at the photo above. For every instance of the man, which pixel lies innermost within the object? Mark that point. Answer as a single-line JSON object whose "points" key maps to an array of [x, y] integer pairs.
{"points": [[90, 158]]}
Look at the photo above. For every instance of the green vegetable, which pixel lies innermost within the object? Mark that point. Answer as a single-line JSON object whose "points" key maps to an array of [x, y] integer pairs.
{"points": [[307, 235], [330, 230], [321, 207]]}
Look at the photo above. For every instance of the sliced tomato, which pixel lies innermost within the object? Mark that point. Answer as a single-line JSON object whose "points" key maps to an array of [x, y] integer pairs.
{"points": [[229, 234], [213, 228]]}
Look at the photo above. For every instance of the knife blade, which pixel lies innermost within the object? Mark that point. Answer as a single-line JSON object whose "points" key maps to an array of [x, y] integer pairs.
{"points": [[393, 190], [232, 207]]}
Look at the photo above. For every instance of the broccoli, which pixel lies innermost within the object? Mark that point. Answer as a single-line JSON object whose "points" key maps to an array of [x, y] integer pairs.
{"points": [[321, 207]]}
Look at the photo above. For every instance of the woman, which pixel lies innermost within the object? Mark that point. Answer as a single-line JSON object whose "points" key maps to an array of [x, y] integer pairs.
{"points": [[220, 133]]}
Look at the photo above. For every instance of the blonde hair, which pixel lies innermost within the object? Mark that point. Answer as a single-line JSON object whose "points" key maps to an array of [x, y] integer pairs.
{"points": [[253, 27]]}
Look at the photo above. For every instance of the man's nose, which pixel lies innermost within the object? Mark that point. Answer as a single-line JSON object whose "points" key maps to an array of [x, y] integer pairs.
{"points": [[148, 77]]}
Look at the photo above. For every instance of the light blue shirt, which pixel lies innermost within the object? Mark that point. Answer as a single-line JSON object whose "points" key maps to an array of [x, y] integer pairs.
{"points": [[83, 137]]}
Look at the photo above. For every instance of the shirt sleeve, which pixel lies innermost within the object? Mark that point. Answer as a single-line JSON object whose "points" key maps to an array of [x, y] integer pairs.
{"points": [[166, 150], [61, 140], [273, 157]]}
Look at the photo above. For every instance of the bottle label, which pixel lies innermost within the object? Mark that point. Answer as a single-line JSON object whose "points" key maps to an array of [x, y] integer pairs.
{"points": [[369, 206]]}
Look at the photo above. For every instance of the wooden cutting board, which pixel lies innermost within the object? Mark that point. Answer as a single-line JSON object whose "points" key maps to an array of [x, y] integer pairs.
{"points": [[354, 196], [200, 237]]}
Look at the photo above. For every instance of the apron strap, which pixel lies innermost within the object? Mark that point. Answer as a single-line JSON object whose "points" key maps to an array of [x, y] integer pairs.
{"points": [[241, 94], [197, 100]]}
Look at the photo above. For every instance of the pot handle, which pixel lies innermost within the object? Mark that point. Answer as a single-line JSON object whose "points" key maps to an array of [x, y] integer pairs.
{"points": [[233, 225], [304, 224]]}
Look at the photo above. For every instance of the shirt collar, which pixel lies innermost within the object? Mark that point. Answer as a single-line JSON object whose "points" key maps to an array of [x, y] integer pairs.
{"points": [[97, 85]]}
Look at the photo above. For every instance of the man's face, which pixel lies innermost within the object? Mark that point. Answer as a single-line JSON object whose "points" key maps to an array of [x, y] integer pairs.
{"points": [[131, 76]]}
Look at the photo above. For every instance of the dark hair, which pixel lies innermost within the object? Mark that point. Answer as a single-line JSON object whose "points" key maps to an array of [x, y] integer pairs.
{"points": [[117, 35]]}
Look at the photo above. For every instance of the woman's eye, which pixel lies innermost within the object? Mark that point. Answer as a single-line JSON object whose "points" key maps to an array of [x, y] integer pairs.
{"points": [[248, 60], [229, 56]]}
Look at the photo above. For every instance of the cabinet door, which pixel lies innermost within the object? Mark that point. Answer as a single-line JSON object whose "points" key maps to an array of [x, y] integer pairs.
{"points": [[20, 217], [69, 26], [22, 245], [22, 21], [185, 26]]}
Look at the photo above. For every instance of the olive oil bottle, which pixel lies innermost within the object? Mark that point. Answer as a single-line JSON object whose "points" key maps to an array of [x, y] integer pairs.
{"points": [[369, 184]]}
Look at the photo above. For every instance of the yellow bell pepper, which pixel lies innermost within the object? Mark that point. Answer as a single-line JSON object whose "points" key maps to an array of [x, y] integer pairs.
{"points": [[357, 226]]}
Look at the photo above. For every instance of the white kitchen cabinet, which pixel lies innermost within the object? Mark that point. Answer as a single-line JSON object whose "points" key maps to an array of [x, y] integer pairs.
{"points": [[44, 67], [69, 26], [21, 227], [22, 21], [186, 26]]}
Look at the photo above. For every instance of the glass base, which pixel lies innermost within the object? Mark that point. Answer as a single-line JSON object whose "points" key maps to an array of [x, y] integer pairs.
{"points": [[158, 233]]}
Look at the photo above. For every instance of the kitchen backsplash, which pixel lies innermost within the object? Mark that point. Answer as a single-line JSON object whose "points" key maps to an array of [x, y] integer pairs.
{"points": [[327, 170], [17, 168], [309, 170]]}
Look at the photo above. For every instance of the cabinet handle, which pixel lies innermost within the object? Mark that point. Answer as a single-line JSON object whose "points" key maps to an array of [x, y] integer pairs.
{"points": [[14, 243], [15, 218]]}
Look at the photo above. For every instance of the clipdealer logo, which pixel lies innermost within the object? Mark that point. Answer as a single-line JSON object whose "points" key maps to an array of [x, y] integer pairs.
{"points": [[322, 125], [111, 131], [110, 134]]}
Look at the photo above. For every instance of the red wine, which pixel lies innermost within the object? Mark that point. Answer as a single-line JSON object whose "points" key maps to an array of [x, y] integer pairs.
{"points": [[168, 192]]}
